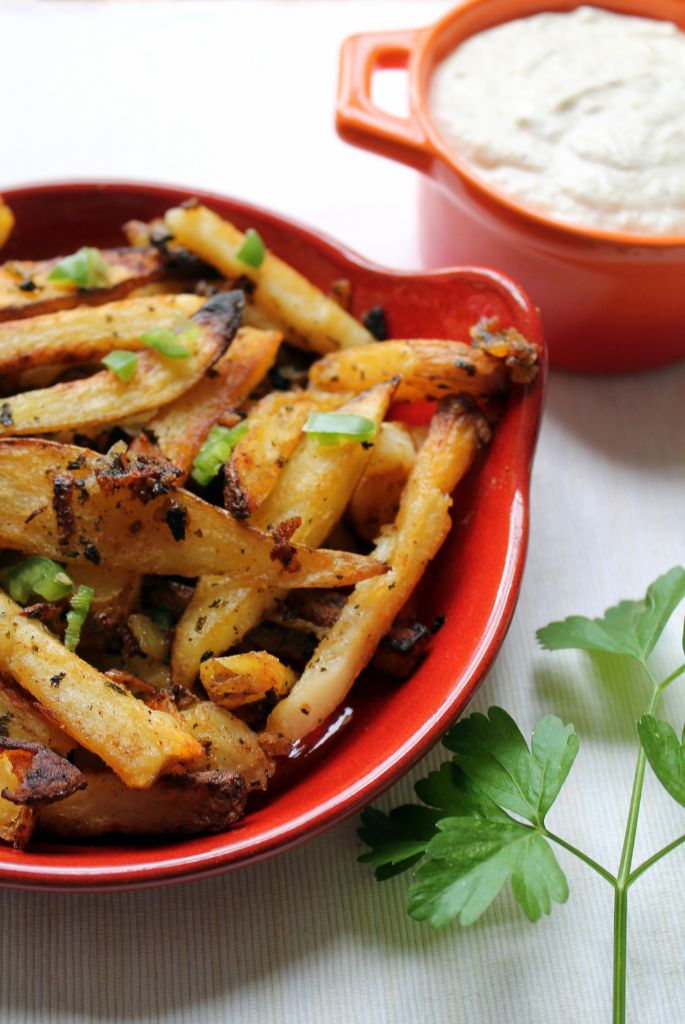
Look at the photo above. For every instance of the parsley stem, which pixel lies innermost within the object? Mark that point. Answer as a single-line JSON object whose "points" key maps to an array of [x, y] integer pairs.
{"points": [[623, 875], [620, 954], [606, 875], [670, 679], [646, 864]]}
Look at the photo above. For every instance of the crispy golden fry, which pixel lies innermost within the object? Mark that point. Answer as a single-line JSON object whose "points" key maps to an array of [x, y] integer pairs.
{"points": [[22, 719], [317, 321], [184, 804], [313, 489], [137, 743], [182, 426], [421, 526], [87, 333], [429, 369], [274, 430], [103, 398], [245, 678], [229, 744], [133, 518], [6, 222], [25, 290], [376, 497]]}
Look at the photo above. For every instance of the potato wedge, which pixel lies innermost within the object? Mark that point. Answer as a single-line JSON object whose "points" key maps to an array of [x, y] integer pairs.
{"points": [[314, 489], [137, 743], [229, 744], [377, 496], [87, 333], [25, 290], [133, 518], [245, 678], [6, 222], [317, 321], [429, 369], [422, 524], [274, 430], [180, 429], [184, 804], [103, 398]]}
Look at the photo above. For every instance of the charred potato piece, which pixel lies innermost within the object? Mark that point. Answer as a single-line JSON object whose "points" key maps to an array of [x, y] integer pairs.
{"points": [[185, 804]]}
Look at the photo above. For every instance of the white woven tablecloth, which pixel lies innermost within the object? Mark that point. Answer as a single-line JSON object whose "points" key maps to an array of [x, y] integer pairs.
{"points": [[238, 97]]}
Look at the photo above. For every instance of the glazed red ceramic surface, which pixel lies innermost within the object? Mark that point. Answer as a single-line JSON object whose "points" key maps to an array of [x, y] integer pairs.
{"points": [[385, 725], [610, 301]]}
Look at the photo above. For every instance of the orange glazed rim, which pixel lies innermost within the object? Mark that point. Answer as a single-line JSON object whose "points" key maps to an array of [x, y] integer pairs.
{"points": [[416, 141]]}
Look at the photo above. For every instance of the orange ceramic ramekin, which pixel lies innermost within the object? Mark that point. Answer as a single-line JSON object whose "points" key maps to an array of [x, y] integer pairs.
{"points": [[609, 301]]}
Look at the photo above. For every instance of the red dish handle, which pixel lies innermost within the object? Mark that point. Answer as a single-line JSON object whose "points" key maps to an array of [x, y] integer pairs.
{"points": [[357, 119]]}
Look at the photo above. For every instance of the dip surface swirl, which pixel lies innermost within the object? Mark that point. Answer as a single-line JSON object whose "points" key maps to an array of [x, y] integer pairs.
{"points": [[578, 115]]}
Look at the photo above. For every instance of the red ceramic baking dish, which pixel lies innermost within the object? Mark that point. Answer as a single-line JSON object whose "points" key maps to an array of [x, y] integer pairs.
{"points": [[384, 727], [610, 301]]}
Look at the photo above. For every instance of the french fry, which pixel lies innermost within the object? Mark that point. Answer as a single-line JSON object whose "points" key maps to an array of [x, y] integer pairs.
{"points": [[314, 488], [88, 333], [103, 398], [184, 804], [316, 320], [377, 496], [422, 524], [137, 743], [25, 290], [274, 430], [6, 222], [133, 518], [428, 369], [229, 744], [182, 426], [245, 678]]}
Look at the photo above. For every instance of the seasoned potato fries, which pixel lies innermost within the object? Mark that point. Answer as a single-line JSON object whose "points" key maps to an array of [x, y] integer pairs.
{"points": [[212, 518]]}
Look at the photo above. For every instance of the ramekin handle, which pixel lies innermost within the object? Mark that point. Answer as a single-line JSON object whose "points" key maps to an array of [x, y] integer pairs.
{"points": [[358, 120]]}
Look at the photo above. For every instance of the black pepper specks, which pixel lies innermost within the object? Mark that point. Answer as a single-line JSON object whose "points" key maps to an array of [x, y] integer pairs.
{"points": [[176, 519], [92, 554]]}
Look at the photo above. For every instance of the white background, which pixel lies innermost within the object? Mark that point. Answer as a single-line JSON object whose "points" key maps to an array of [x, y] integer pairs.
{"points": [[238, 97]]}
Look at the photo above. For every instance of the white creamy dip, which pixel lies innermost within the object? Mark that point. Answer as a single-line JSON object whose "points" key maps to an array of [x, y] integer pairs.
{"points": [[580, 115]]}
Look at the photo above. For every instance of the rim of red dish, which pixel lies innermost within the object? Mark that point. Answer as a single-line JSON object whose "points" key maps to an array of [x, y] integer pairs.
{"points": [[129, 868]]}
